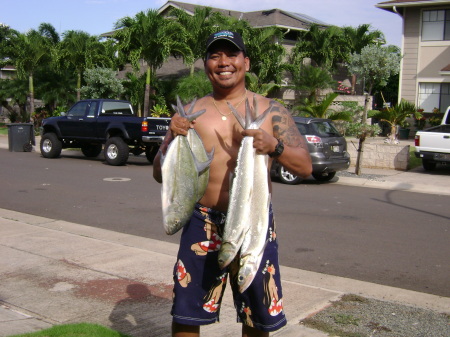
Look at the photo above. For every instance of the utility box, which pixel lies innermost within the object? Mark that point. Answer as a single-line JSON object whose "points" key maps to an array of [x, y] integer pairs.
{"points": [[20, 137]]}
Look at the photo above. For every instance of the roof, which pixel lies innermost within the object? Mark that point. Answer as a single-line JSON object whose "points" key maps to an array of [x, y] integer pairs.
{"points": [[399, 5], [258, 19]]}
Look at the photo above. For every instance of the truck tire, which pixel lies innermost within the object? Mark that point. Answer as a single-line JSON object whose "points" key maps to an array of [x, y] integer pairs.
{"points": [[116, 151], [91, 150], [50, 145], [151, 152], [324, 176], [287, 177], [428, 165]]}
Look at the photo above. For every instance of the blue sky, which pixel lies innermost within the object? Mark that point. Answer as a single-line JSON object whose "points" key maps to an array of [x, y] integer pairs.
{"points": [[98, 16]]}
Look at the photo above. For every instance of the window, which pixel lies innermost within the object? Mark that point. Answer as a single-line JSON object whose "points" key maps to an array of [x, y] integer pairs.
{"points": [[434, 95], [92, 109], [436, 25], [78, 110], [117, 108]]}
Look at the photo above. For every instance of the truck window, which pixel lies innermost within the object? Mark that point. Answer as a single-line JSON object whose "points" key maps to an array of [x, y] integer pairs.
{"points": [[78, 110], [92, 109], [116, 108]]}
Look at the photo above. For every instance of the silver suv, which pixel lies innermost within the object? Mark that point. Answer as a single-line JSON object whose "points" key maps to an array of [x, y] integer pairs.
{"points": [[328, 150]]}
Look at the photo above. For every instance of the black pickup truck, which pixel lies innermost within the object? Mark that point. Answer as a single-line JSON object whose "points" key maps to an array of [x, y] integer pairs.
{"points": [[93, 122]]}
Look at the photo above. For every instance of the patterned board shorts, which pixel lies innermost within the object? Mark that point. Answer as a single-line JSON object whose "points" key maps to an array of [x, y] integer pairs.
{"points": [[200, 283]]}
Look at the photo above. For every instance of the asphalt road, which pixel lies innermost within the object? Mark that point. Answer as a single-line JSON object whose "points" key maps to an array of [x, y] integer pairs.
{"points": [[388, 237]]}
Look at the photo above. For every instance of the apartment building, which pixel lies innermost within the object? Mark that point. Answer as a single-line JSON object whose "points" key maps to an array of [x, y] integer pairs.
{"points": [[425, 69]]}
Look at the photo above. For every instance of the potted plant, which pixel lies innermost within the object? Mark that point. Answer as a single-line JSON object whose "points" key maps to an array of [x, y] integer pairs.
{"points": [[404, 129], [396, 117]]}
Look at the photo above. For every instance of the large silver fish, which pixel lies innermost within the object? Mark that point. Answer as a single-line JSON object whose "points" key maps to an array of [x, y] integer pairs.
{"points": [[180, 171], [202, 156], [242, 190], [255, 238]]}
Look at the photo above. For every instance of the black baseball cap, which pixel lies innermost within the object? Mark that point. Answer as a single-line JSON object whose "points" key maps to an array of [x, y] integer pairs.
{"points": [[233, 37]]}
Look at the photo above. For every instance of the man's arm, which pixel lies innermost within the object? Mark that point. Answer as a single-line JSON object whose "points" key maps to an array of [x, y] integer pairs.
{"points": [[295, 157]]}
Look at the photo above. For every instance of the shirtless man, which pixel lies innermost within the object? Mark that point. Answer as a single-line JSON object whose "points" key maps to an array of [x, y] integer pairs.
{"points": [[198, 302]]}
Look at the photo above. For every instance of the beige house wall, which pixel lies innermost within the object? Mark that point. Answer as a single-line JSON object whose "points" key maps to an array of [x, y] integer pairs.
{"points": [[422, 61], [411, 37]]}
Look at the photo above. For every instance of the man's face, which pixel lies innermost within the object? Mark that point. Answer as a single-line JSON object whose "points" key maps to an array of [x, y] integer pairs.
{"points": [[226, 65]]}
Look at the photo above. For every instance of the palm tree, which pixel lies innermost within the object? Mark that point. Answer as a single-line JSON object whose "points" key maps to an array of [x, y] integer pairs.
{"points": [[30, 51], [150, 37], [311, 79], [82, 51], [14, 92], [322, 45], [357, 38], [322, 109], [197, 29], [266, 53], [396, 115], [253, 84], [54, 86], [192, 86]]}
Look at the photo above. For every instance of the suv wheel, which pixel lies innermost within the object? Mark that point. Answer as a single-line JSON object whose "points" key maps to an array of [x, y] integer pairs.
{"points": [[287, 177], [91, 150], [50, 145], [116, 151], [324, 176]]}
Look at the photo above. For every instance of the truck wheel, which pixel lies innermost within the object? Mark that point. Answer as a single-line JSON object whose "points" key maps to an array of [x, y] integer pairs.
{"points": [[50, 145], [324, 176], [428, 165], [91, 150], [116, 151], [151, 152], [287, 177]]}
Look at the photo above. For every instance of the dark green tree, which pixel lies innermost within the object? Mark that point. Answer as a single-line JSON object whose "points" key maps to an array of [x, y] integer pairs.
{"points": [[31, 50], [152, 38], [197, 28], [80, 51]]}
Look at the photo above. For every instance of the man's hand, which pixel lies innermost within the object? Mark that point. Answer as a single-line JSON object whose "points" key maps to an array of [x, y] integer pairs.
{"points": [[180, 125], [263, 142]]}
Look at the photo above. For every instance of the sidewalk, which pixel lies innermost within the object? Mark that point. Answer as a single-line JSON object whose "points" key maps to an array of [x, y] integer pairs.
{"points": [[56, 272]]}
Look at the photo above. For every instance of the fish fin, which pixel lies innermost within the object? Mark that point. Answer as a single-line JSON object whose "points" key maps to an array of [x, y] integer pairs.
{"points": [[193, 115], [210, 154], [248, 114], [201, 166], [191, 107], [261, 118], [189, 114], [179, 107], [255, 108], [237, 115]]}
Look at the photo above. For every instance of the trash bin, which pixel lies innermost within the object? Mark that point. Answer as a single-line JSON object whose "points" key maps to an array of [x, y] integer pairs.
{"points": [[403, 133], [20, 137]]}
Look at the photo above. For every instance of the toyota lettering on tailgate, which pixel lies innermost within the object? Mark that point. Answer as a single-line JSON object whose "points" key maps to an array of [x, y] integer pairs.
{"points": [[162, 127]]}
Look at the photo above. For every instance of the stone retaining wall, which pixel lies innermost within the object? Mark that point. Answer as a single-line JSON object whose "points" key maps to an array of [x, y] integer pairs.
{"points": [[380, 155]]}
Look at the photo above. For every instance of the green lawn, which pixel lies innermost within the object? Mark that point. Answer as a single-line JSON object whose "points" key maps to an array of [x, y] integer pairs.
{"points": [[413, 161], [75, 330], [3, 129]]}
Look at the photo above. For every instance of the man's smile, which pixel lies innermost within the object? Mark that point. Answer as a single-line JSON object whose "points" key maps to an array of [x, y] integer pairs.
{"points": [[225, 73]]}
